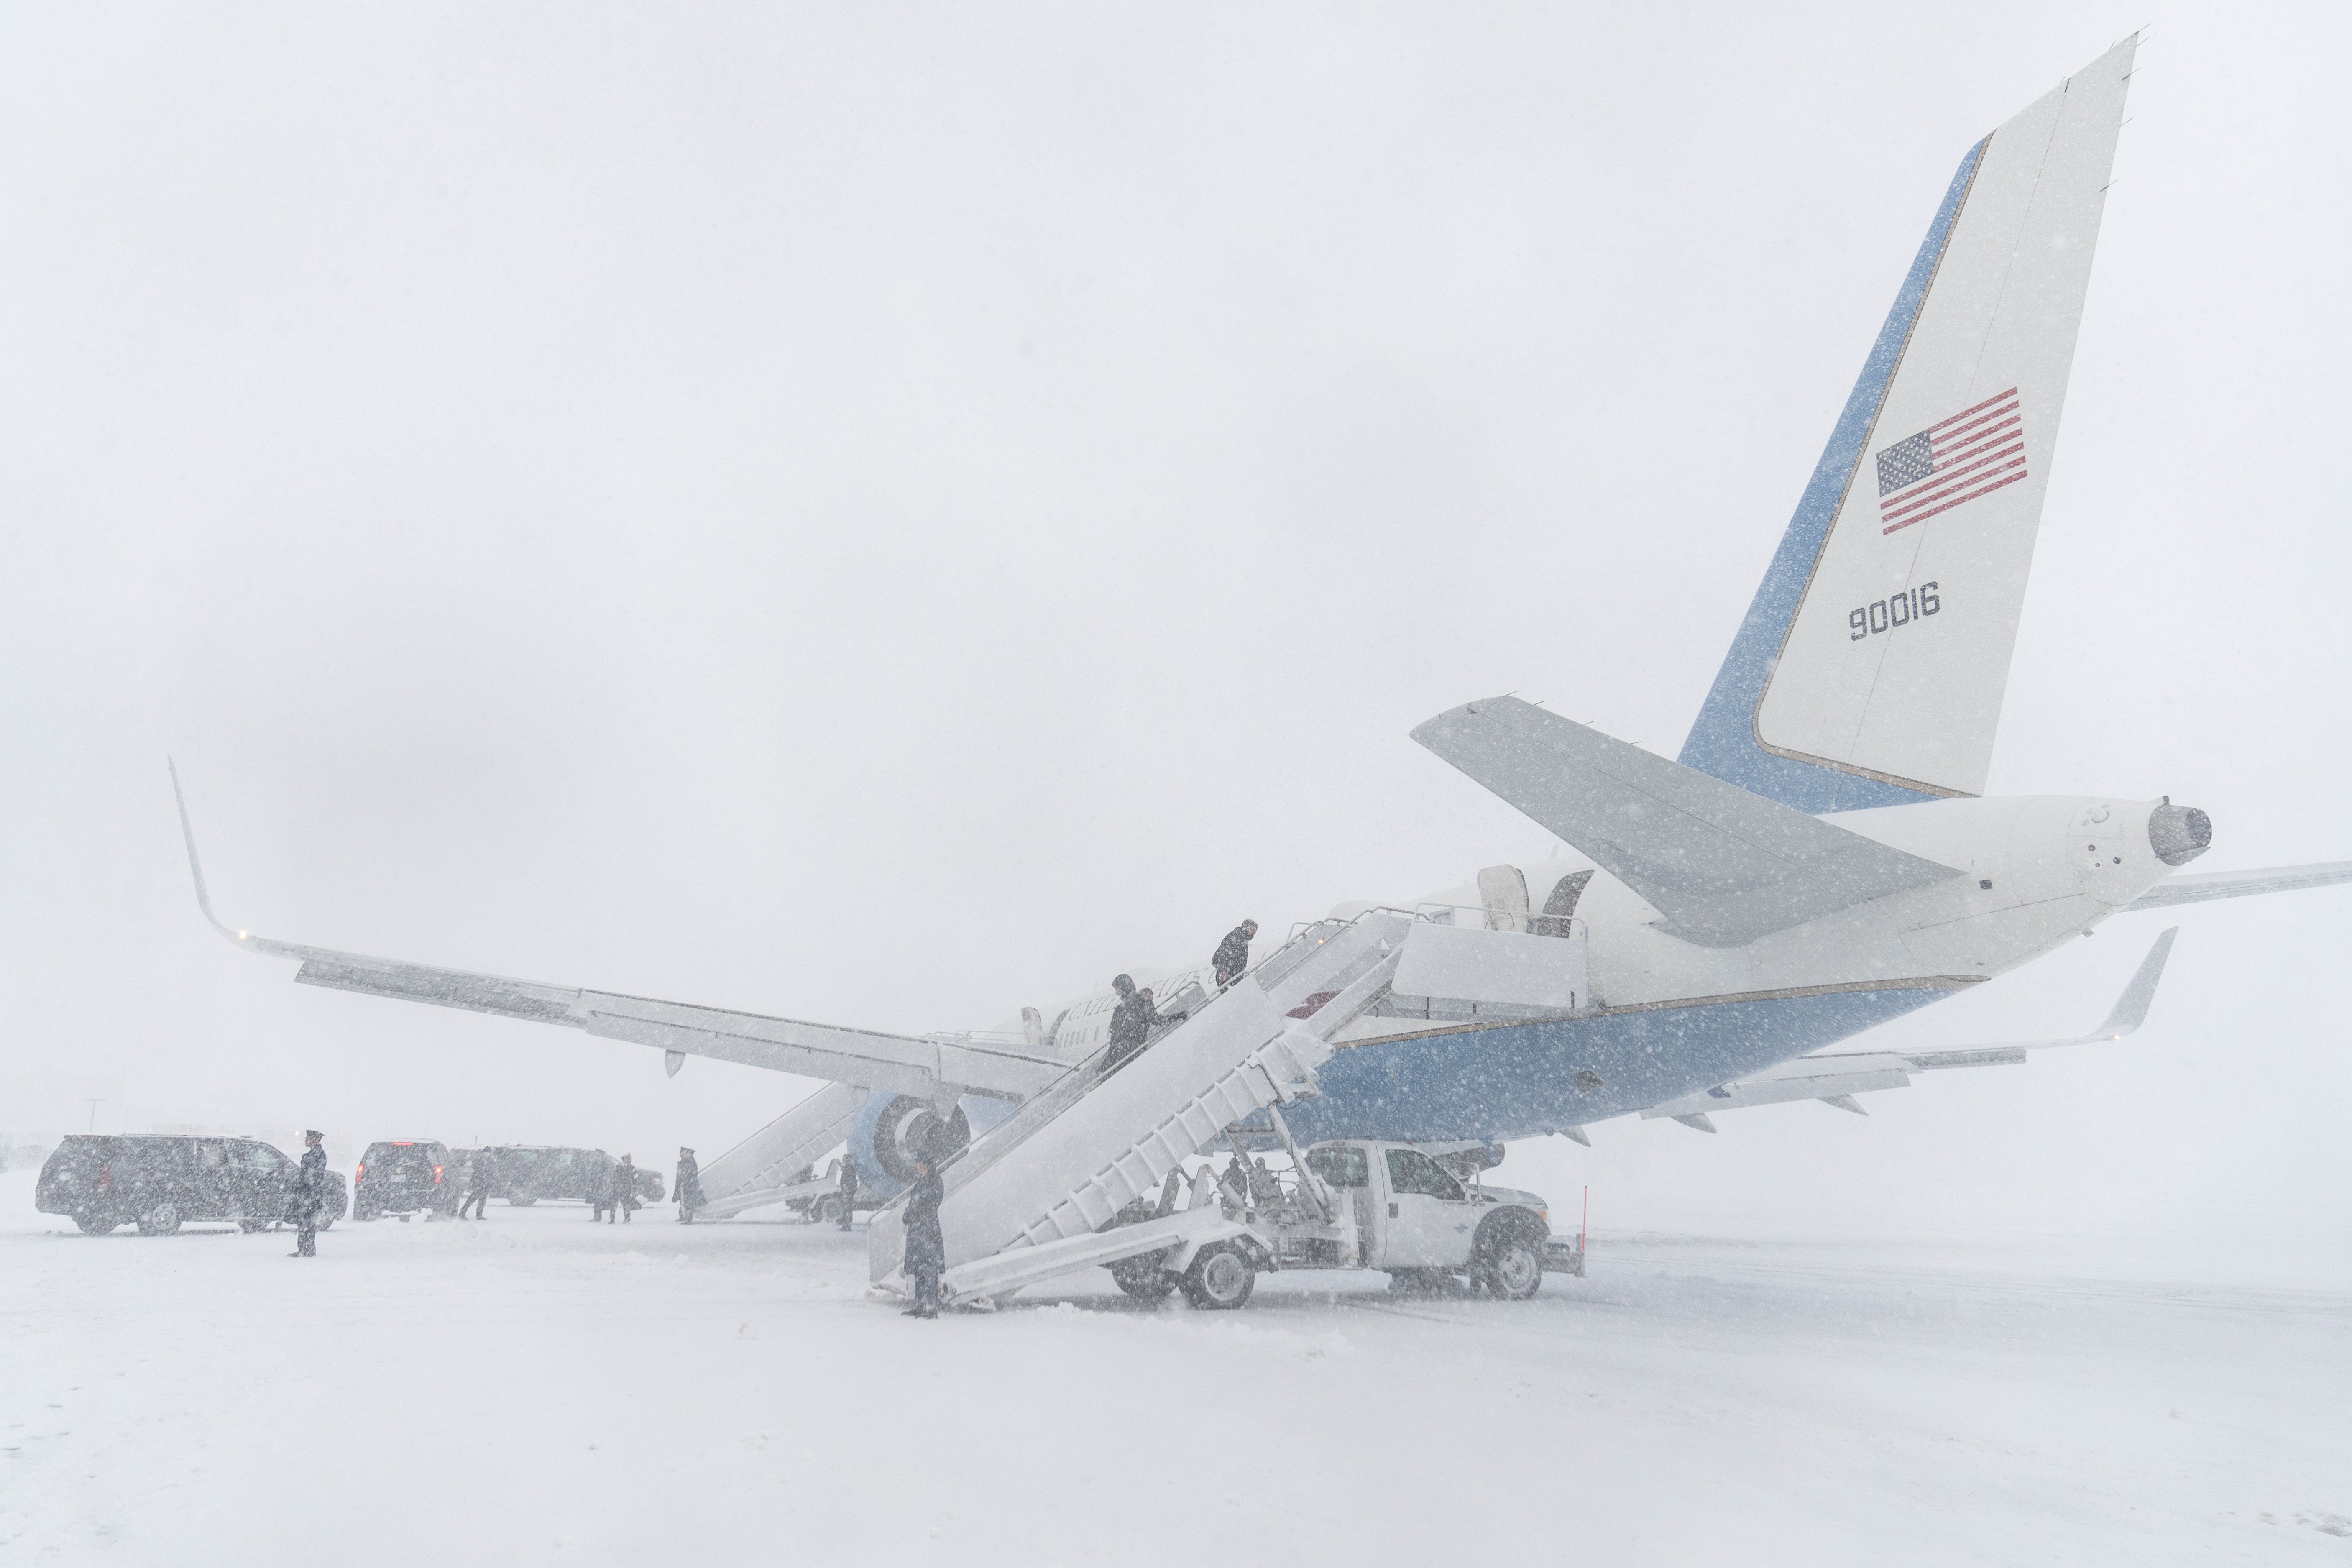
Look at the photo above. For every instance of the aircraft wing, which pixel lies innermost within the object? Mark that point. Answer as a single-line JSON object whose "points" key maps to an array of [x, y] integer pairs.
{"points": [[896, 1063], [1837, 1077], [2208, 885], [1723, 867]]}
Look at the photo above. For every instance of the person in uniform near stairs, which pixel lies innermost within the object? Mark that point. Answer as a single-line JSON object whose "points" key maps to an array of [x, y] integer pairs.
{"points": [[848, 1189], [927, 1248], [479, 1166], [310, 1195], [688, 1190], [1232, 959]]}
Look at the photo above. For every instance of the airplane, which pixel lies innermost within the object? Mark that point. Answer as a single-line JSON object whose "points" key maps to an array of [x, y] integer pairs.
{"points": [[1820, 858]]}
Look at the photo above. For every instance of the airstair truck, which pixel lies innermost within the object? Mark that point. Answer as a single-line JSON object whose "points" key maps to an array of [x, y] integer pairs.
{"points": [[1091, 1172]]}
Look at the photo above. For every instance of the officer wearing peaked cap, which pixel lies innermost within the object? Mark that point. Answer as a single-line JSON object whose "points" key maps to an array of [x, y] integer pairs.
{"points": [[310, 1195]]}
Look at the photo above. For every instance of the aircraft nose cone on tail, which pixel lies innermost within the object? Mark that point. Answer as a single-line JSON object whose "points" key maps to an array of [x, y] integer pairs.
{"points": [[2178, 833]]}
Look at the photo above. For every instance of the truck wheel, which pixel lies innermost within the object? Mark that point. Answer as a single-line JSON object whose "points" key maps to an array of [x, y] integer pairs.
{"points": [[93, 1226], [1221, 1279], [1511, 1268], [1143, 1279], [829, 1209], [160, 1220]]}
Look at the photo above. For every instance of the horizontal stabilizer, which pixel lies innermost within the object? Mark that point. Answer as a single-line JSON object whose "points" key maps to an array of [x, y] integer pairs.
{"points": [[1723, 867], [1837, 1076], [2209, 885]]}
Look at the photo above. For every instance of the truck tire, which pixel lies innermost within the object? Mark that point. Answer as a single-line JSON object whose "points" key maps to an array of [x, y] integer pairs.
{"points": [[1221, 1279], [1509, 1263], [93, 1226], [828, 1209], [1143, 1279], [160, 1220]]}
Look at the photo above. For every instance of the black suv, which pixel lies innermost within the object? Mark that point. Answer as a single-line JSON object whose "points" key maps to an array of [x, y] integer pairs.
{"points": [[160, 1181], [406, 1176], [527, 1173]]}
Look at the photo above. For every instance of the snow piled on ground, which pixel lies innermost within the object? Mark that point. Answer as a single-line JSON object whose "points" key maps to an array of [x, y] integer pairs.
{"points": [[533, 1389]]}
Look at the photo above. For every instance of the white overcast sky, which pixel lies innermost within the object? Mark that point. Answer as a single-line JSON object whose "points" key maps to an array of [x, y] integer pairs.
{"points": [[887, 513]]}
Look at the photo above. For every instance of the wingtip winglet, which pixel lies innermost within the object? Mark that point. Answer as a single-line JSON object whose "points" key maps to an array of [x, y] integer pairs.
{"points": [[195, 866], [2130, 1010]]}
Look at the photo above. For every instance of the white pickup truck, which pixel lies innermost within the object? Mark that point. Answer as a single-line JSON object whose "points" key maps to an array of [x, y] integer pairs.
{"points": [[1421, 1213]]}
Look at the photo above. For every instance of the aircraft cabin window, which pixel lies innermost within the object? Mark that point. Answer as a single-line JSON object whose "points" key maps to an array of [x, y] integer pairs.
{"points": [[1410, 1171], [1341, 1167]]}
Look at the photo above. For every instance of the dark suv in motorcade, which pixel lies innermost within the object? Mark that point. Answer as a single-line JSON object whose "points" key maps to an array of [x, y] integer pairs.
{"points": [[160, 1181], [526, 1173], [406, 1176]]}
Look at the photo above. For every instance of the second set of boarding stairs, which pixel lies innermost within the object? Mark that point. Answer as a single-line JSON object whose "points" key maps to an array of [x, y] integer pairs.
{"points": [[1033, 1196]]}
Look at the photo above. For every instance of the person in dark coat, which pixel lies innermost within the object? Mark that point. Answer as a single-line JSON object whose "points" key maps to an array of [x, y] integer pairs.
{"points": [[1131, 1023], [310, 1195], [479, 1168], [624, 1189], [599, 1187], [688, 1190], [927, 1248], [848, 1189], [1232, 959], [1236, 1177]]}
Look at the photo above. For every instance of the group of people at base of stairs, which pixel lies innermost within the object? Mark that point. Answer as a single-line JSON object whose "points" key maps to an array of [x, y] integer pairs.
{"points": [[1131, 1024], [1138, 1014], [618, 1200]]}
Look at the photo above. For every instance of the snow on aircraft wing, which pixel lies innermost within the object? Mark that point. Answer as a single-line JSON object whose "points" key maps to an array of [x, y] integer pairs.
{"points": [[1838, 1076], [1723, 867], [896, 1063], [2208, 885]]}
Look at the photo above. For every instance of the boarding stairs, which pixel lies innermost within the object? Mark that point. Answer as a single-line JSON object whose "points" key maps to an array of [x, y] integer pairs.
{"points": [[1036, 1195], [773, 1164]]}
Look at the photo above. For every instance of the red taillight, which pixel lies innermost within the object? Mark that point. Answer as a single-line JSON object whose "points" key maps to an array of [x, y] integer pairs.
{"points": [[360, 1174], [106, 1176], [437, 1175]]}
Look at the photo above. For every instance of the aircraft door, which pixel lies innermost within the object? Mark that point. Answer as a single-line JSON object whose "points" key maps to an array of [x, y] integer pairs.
{"points": [[1428, 1224], [1503, 889]]}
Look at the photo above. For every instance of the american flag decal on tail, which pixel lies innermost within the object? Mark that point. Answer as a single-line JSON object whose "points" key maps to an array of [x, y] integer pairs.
{"points": [[1974, 453]]}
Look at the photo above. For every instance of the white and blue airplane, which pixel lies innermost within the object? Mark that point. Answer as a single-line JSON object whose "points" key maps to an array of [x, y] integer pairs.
{"points": [[1819, 860]]}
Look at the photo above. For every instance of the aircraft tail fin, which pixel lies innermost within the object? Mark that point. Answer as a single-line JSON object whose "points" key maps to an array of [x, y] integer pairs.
{"points": [[1871, 665]]}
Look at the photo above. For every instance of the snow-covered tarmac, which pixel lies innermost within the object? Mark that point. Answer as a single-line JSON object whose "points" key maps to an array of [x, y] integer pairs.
{"points": [[534, 1389]]}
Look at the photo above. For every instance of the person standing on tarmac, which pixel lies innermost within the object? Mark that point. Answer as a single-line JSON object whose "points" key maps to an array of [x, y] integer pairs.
{"points": [[1232, 959], [926, 1246], [688, 1190], [310, 1195], [848, 1189], [599, 1187], [478, 1170], [624, 1189]]}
